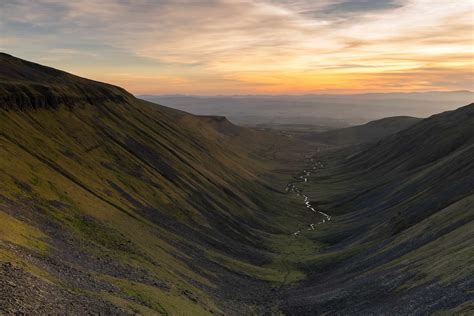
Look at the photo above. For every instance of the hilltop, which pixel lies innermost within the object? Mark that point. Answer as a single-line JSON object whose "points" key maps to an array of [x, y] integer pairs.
{"points": [[25, 85], [368, 132]]}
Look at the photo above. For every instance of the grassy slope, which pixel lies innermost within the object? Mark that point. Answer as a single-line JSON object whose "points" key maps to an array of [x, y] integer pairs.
{"points": [[150, 207], [369, 132], [401, 238], [111, 202]]}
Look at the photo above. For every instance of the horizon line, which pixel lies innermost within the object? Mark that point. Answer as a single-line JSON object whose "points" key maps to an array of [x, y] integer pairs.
{"points": [[298, 95]]}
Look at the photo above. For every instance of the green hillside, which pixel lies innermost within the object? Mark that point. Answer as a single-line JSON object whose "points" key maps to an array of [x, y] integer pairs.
{"points": [[114, 205], [402, 236], [111, 202], [368, 132]]}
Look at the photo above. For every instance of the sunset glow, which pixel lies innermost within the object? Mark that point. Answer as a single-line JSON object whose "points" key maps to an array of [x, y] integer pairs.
{"points": [[249, 47]]}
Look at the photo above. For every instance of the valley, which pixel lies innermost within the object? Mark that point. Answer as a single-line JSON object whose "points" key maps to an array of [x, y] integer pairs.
{"points": [[115, 205], [291, 187]]}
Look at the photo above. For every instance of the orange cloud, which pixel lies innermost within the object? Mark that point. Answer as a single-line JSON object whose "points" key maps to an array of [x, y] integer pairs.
{"points": [[252, 46]]}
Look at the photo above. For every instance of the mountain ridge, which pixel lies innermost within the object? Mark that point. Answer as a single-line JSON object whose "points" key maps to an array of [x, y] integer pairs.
{"points": [[405, 217], [369, 132], [29, 85]]}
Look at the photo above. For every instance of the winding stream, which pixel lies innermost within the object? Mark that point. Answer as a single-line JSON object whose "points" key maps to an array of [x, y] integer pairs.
{"points": [[291, 187]]}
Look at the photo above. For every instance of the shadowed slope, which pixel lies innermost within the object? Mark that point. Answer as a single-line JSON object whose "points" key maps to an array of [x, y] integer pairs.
{"points": [[401, 238], [369, 132]]}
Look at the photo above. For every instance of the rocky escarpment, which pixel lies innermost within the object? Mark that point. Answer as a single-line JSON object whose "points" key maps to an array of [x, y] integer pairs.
{"points": [[20, 89], [221, 124], [22, 97]]}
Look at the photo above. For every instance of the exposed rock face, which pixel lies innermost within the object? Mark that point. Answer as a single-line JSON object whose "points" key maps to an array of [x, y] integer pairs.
{"points": [[221, 124], [19, 87], [36, 96]]}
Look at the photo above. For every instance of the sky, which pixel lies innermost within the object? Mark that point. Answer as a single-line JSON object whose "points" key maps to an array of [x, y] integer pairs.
{"points": [[210, 47]]}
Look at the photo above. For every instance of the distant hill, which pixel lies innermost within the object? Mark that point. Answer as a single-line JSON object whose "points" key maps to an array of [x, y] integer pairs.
{"points": [[324, 110], [423, 143], [368, 132]]}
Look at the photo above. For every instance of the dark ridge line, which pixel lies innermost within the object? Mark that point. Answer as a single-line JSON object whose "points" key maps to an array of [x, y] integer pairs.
{"points": [[47, 99]]}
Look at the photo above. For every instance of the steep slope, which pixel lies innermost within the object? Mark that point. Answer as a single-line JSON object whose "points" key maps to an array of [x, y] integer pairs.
{"points": [[402, 234], [116, 205], [26, 85], [110, 204], [368, 132]]}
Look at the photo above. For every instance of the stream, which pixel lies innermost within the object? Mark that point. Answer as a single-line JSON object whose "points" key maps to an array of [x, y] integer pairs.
{"points": [[292, 188]]}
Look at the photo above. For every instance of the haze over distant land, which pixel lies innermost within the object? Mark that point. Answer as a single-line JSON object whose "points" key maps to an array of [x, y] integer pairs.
{"points": [[325, 110], [212, 47]]}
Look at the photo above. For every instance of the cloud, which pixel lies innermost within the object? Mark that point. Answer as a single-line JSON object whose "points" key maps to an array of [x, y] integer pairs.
{"points": [[351, 6], [220, 42]]}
